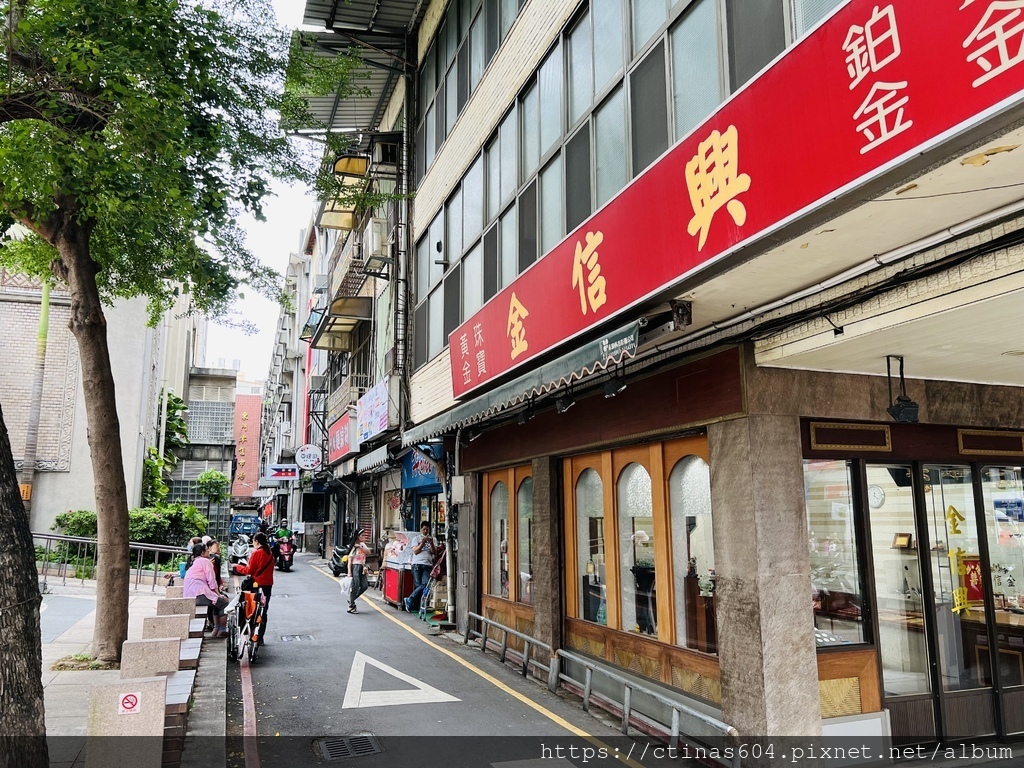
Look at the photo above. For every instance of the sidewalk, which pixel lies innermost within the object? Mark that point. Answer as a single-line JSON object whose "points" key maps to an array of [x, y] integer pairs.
{"points": [[67, 620]]}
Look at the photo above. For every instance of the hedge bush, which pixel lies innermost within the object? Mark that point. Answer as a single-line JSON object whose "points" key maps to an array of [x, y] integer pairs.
{"points": [[170, 525]]}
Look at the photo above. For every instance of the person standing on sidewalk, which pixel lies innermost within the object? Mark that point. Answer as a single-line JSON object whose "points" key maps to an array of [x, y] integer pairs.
{"points": [[357, 569], [260, 566], [423, 550]]}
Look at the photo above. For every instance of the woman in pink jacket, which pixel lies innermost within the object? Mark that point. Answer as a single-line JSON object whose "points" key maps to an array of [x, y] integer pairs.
{"points": [[201, 583]]}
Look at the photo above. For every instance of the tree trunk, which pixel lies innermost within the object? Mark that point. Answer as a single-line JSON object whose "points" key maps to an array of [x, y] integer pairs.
{"points": [[23, 735], [28, 467], [90, 329]]}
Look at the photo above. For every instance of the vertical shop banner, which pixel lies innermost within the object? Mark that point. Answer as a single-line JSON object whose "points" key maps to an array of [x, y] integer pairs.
{"points": [[871, 88], [341, 439], [375, 410]]}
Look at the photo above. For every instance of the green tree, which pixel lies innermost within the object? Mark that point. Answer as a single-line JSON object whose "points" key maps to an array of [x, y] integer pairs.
{"points": [[23, 735], [215, 487], [132, 133]]}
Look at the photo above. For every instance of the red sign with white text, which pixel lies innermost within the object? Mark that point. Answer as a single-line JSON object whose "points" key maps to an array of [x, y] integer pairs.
{"points": [[341, 439], [873, 86]]}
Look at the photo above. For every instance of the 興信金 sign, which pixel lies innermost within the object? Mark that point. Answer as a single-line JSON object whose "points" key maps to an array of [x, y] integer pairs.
{"points": [[873, 87]]}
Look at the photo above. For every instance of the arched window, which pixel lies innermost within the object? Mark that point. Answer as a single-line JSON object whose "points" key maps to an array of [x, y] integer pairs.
{"points": [[524, 528], [693, 552], [499, 540], [590, 547], [636, 550]]}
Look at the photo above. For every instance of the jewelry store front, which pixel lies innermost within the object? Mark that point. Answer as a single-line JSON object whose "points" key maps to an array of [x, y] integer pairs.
{"points": [[916, 534]]}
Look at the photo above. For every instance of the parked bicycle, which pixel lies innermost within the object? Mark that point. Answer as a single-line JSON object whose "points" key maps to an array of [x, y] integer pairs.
{"points": [[247, 623]]}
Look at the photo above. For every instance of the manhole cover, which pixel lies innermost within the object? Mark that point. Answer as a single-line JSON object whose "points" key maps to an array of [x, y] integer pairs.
{"points": [[296, 638], [334, 748]]}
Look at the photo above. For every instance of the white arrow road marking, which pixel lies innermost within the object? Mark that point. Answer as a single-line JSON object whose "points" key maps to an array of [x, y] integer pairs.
{"points": [[356, 697]]}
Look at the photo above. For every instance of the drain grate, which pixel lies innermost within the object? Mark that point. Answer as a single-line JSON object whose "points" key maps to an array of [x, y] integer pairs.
{"points": [[334, 748], [296, 638]]}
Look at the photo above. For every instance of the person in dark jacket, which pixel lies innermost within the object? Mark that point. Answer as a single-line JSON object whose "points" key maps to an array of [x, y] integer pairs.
{"points": [[260, 566]]}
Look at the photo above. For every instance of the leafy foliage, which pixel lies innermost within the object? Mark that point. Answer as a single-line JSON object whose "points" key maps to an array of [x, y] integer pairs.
{"points": [[154, 489], [215, 486], [175, 430], [168, 526], [153, 124]]}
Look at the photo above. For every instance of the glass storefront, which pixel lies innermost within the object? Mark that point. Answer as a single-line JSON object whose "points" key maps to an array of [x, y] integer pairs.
{"points": [[923, 561]]}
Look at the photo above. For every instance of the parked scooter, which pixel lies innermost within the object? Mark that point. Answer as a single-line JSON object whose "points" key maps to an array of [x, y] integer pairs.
{"points": [[320, 546], [337, 564], [285, 553], [240, 549]]}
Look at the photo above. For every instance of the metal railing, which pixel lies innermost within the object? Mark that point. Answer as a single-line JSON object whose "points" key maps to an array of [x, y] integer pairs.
{"points": [[714, 726], [528, 643], [77, 556]]}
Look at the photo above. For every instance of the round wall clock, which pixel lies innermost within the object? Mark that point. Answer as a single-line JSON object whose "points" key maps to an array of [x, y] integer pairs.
{"points": [[876, 496]]}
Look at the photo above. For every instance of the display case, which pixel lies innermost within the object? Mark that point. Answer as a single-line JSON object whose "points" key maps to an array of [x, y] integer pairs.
{"points": [[398, 583]]}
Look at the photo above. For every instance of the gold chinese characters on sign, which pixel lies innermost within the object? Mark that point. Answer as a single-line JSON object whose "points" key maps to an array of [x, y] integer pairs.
{"points": [[592, 284], [516, 331], [714, 182]]}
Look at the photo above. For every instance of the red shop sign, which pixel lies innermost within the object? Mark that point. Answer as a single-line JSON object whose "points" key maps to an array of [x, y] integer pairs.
{"points": [[869, 89], [341, 439]]}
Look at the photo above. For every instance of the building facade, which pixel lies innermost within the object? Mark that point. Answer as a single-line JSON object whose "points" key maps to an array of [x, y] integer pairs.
{"points": [[211, 435], [63, 480], [713, 317]]}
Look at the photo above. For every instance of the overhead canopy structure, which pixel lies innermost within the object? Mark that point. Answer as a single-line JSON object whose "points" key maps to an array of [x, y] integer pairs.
{"points": [[335, 331], [380, 29]]}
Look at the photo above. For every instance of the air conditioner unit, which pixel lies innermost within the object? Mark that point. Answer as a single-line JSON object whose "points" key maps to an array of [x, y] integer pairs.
{"points": [[317, 383], [375, 239]]}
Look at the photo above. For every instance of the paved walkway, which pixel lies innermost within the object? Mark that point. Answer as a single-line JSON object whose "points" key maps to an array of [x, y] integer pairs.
{"points": [[67, 620]]}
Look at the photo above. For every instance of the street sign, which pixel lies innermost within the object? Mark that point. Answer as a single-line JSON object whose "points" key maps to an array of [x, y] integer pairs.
{"points": [[309, 456], [282, 472]]}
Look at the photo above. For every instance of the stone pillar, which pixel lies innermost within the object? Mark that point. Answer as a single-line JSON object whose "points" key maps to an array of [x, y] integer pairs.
{"points": [[766, 643], [464, 571], [547, 553]]}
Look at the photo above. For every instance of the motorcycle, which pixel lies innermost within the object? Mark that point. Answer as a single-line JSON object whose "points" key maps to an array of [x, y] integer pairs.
{"points": [[285, 553], [336, 565], [240, 549]]}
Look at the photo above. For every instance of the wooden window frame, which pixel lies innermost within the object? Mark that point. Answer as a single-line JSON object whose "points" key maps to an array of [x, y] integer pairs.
{"points": [[512, 477]]}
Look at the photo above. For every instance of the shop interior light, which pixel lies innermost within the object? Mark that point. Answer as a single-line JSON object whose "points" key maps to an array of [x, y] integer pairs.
{"points": [[903, 410], [564, 402]]}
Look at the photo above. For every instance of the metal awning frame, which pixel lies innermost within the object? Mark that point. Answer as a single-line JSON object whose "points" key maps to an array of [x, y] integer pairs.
{"points": [[335, 333]]}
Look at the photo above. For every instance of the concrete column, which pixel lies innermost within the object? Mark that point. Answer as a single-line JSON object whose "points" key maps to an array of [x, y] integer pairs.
{"points": [[465, 571], [766, 643], [547, 559]]}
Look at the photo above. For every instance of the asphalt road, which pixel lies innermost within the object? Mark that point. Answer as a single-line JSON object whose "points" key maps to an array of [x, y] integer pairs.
{"points": [[422, 700]]}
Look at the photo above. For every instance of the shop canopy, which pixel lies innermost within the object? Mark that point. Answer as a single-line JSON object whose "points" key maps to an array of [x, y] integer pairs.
{"points": [[598, 355]]}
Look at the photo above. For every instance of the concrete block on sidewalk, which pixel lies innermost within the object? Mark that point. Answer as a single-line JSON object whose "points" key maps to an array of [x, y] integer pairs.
{"points": [[166, 626], [175, 605], [148, 658], [174, 592], [133, 707]]}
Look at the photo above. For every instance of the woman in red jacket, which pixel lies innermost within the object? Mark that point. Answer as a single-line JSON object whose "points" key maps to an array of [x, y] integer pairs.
{"points": [[261, 566]]}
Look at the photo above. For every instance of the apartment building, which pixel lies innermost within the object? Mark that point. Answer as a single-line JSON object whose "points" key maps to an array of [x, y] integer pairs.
{"points": [[713, 310]]}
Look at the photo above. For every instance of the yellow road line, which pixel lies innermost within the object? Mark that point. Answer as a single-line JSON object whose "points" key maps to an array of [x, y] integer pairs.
{"points": [[494, 681]]}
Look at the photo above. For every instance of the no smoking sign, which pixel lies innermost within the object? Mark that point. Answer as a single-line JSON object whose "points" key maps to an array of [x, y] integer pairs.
{"points": [[129, 703]]}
